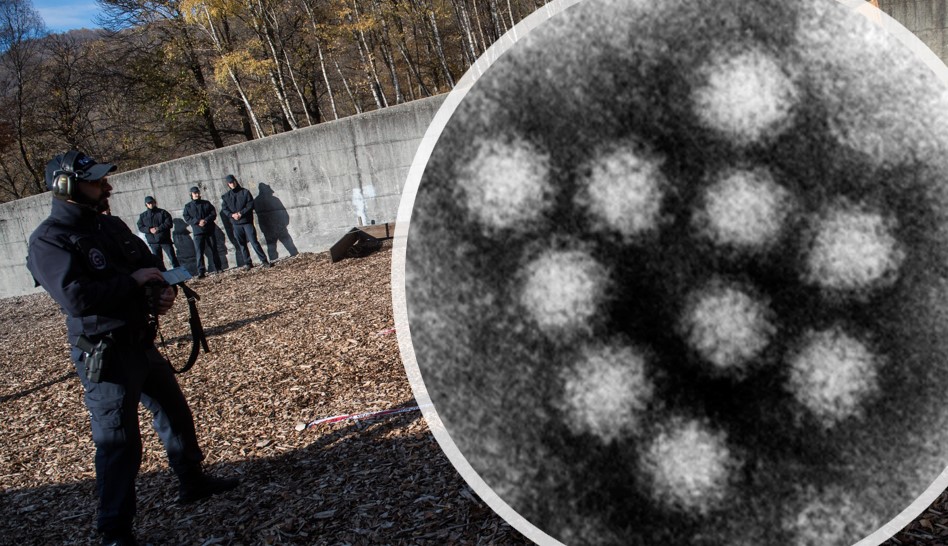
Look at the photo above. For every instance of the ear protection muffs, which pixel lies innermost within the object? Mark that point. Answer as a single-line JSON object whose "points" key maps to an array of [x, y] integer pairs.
{"points": [[64, 179]]}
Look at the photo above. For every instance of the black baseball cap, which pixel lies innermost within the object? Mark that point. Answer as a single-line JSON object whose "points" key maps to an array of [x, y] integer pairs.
{"points": [[149, 199], [84, 167], [195, 189], [230, 178]]}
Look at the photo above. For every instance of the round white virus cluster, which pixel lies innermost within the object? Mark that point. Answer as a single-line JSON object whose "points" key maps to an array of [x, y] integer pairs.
{"points": [[605, 392], [727, 323], [727, 326], [853, 249], [506, 184], [745, 95], [745, 209], [623, 191], [828, 517], [689, 466], [832, 374], [563, 290]]}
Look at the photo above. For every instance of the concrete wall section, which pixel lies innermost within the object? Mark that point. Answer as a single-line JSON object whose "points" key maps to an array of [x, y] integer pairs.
{"points": [[17, 220], [310, 187], [927, 19]]}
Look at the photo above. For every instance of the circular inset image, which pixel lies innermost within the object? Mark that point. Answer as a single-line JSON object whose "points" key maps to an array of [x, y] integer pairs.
{"points": [[675, 274]]}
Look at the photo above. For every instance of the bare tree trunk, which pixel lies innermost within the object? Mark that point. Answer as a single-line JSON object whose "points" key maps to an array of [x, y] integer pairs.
{"points": [[207, 113], [387, 56], [264, 23], [414, 74], [496, 19], [411, 85], [252, 116], [467, 38], [322, 68], [485, 42], [439, 46], [345, 83], [296, 86], [322, 59], [365, 53], [393, 71], [313, 104], [245, 122], [212, 32], [412, 69]]}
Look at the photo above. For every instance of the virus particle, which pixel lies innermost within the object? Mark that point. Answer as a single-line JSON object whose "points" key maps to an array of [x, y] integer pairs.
{"points": [[563, 290], [852, 250], [623, 191], [832, 374], [726, 325], [506, 185], [605, 392], [689, 467], [745, 209], [744, 95], [828, 517]]}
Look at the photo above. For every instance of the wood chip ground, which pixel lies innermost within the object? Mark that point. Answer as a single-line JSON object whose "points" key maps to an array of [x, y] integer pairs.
{"points": [[303, 340]]}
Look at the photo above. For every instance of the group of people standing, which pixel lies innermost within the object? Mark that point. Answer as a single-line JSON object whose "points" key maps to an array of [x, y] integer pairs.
{"points": [[201, 215]]}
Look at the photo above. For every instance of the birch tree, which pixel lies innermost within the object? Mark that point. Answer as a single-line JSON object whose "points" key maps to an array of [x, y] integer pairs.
{"points": [[211, 17]]}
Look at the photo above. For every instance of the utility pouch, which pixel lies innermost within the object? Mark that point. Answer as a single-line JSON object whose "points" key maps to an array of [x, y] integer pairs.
{"points": [[96, 356]]}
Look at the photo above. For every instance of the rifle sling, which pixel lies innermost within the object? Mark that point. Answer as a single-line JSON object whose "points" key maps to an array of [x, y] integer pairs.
{"points": [[198, 339]]}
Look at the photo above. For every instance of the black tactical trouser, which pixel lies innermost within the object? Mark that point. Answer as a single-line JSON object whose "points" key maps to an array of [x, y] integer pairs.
{"points": [[136, 373], [168, 248], [202, 241], [246, 233]]}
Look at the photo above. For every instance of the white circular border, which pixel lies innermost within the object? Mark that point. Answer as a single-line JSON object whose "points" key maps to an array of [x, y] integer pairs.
{"points": [[400, 247]]}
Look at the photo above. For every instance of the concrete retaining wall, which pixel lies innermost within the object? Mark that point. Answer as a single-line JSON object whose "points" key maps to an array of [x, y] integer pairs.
{"points": [[310, 187]]}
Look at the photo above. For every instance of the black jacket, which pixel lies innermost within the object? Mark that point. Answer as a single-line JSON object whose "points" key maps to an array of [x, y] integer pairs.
{"points": [[156, 218], [239, 200], [196, 210], [85, 261]]}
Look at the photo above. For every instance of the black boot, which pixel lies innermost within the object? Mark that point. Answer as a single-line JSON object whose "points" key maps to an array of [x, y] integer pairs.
{"points": [[198, 485], [125, 538]]}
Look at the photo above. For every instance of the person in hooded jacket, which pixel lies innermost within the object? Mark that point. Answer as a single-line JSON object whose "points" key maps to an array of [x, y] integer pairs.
{"points": [[110, 287], [200, 214], [156, 224], [238, 204]]}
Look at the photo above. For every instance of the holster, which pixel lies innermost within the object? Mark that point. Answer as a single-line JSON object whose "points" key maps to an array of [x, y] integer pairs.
{"points": [[97, 356]]}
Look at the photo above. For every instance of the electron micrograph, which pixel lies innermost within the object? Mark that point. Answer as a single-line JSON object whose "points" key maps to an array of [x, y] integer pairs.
{"points": [[676, 274]]}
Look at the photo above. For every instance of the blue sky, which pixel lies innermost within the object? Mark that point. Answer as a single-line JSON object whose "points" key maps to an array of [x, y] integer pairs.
{"points": [[63, 15]]}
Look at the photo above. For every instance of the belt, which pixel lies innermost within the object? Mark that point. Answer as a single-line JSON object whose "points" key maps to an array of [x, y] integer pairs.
{"points": [[128, 335]]}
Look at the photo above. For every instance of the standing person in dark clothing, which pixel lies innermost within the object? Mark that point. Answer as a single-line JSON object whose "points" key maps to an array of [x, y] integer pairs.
{"points": [[110, 287], [156, 224], [238, 204], [200, 214]]}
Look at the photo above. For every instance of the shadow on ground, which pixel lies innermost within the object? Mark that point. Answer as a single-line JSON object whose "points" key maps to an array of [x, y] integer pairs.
{"points": [[329, 492]]}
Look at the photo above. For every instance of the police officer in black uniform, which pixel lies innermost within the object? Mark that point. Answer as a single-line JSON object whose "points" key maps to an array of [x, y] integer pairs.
{"points": [[200, 214], [156, 224], [238, 204], [100, 273]]}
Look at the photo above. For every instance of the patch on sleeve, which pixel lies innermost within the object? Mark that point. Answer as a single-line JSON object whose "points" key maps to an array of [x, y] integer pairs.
{"points": [[97, 259]]}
